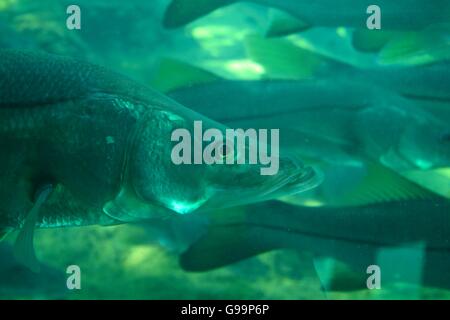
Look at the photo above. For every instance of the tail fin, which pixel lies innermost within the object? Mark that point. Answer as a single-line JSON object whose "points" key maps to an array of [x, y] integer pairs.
{"points": [[182, 12], [364, 185]]}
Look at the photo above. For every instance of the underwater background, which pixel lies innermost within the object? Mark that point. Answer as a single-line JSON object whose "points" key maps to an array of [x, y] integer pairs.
{"points": [[141, 261]]}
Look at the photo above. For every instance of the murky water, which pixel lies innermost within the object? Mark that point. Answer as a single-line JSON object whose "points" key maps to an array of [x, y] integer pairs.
{"points": [[359, 95]]}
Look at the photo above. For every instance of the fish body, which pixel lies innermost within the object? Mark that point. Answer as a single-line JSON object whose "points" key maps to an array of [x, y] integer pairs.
{"points": [[328, 118], [395, 15], [428, 82], [355, 236], [103, 142], [37, 125]]}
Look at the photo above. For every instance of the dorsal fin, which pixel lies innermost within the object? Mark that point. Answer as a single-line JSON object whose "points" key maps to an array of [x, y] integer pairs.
{"points": [[384, 185], [378, 184], [437, 180]]}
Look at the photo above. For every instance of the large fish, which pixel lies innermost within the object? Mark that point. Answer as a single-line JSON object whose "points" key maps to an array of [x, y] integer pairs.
{"points": [[408, 240], [430, 82], [82, 145], [331, 55], [344, 128], [357, 118], [396, 15]]}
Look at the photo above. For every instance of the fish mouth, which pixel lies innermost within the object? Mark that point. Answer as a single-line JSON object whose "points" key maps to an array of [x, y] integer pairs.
{"points": [[292, 179], [304, 179], [299, 180]]}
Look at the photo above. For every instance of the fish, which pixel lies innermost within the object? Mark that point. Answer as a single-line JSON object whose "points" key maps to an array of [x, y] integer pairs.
{"points": [[343, 187], [340, 127], [19, 282], [334, 57], [429, 82], [352, 238], [357, 118], [83, 145], [399, 42], [425, 85], [398, 15]]}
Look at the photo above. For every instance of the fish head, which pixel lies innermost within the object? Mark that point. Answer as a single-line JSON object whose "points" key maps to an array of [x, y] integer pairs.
{"points": [[426, 145], [239, 184], [155, 182]]}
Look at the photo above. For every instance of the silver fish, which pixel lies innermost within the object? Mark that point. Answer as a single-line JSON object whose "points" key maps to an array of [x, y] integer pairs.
{"points": [[355, 237], [82, 145], [330, 118]]}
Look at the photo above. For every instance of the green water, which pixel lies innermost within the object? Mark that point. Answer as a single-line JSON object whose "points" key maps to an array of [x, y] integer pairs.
{"points": [[141, 261]]}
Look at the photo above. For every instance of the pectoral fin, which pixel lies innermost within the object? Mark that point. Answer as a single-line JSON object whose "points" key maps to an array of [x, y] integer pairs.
{"points": [[24, 246], [127, 207]]}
